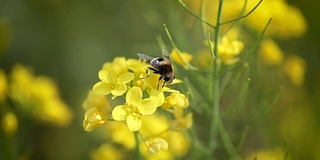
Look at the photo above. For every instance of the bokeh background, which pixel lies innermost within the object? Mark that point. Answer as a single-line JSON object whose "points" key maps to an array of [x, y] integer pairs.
{"points": [[69, 40]]}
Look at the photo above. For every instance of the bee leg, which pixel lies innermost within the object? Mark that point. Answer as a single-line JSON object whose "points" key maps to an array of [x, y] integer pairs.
{"points": [[160, 78], [146, 76]]}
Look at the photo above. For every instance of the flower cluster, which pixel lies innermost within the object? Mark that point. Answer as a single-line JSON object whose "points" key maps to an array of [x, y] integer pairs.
{"points": [[129, 78], [29, 95]]}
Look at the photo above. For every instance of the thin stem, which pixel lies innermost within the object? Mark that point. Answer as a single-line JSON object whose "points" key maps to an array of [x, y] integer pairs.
{"points": [[244, 16], [136, 136], [195, 15], [215, 116]]}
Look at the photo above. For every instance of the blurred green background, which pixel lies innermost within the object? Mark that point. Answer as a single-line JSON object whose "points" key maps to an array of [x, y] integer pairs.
{"points": [[69, 40]]}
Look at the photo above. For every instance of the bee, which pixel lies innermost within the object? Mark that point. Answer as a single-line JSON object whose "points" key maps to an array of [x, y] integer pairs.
{"points": [[161, 66]]}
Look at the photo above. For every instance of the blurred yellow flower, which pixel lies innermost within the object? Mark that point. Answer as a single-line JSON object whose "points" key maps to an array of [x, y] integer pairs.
{"points": [[270, 52], [203, 59], [183, 60], [9, 123], [38, 96], [3, 86], [98, 101], [134, 109], [287, 20], [178, 142], [93, 118], [229, 50], [294, 67], [267, 154], [176, 100], [119, 133], [106, 151], [154, 146], [181, 121]]}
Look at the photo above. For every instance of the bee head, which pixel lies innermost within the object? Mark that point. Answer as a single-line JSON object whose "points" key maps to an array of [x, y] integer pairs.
{"points": [[169, 78]]}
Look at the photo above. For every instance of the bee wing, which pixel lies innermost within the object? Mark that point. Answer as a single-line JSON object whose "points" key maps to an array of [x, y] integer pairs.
{"points": [[165, 54], [145, 57]]}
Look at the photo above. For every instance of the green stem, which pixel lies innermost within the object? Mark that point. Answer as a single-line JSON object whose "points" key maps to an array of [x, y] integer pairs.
{"points": [[195, 15], [136, 136], [216, 98]]}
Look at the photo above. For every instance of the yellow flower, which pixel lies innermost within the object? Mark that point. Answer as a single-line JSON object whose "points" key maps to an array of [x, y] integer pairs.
{"points": [[181, 121], [229, 50], [134, 109], [9, 123], [112, 83], [178, 142], [267, 154], [118, 66], [154, 146], [106, 151], [98, 101], [119, 133], [183, 60], [93, 118], [270, 52], [294, 67], [38, 96], [97, 107], [176, 99], [203, 58], [287, 20], [3, 86]]}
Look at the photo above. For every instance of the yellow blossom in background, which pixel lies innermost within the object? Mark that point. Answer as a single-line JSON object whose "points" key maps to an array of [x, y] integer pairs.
{"points": [[267, 154], [270, 52], [3, 86], [294, 67], [229, 50], [287, 20], [9, 123], [149, 130], [98, 101], [119, 133], [134, 109], [39, 96], [106, 151], [178, 142], [181, 121], [203, 59], [154, 146], [184, 60]]}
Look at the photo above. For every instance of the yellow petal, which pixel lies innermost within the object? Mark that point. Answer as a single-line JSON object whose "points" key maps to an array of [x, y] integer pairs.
{"points": [[120, 113], [155, 145], [158, 96], [134, 122], [147, 106], [126, 77], [134, 96], [93, 119], [163, 143], [101, 88], [119, 89]]}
